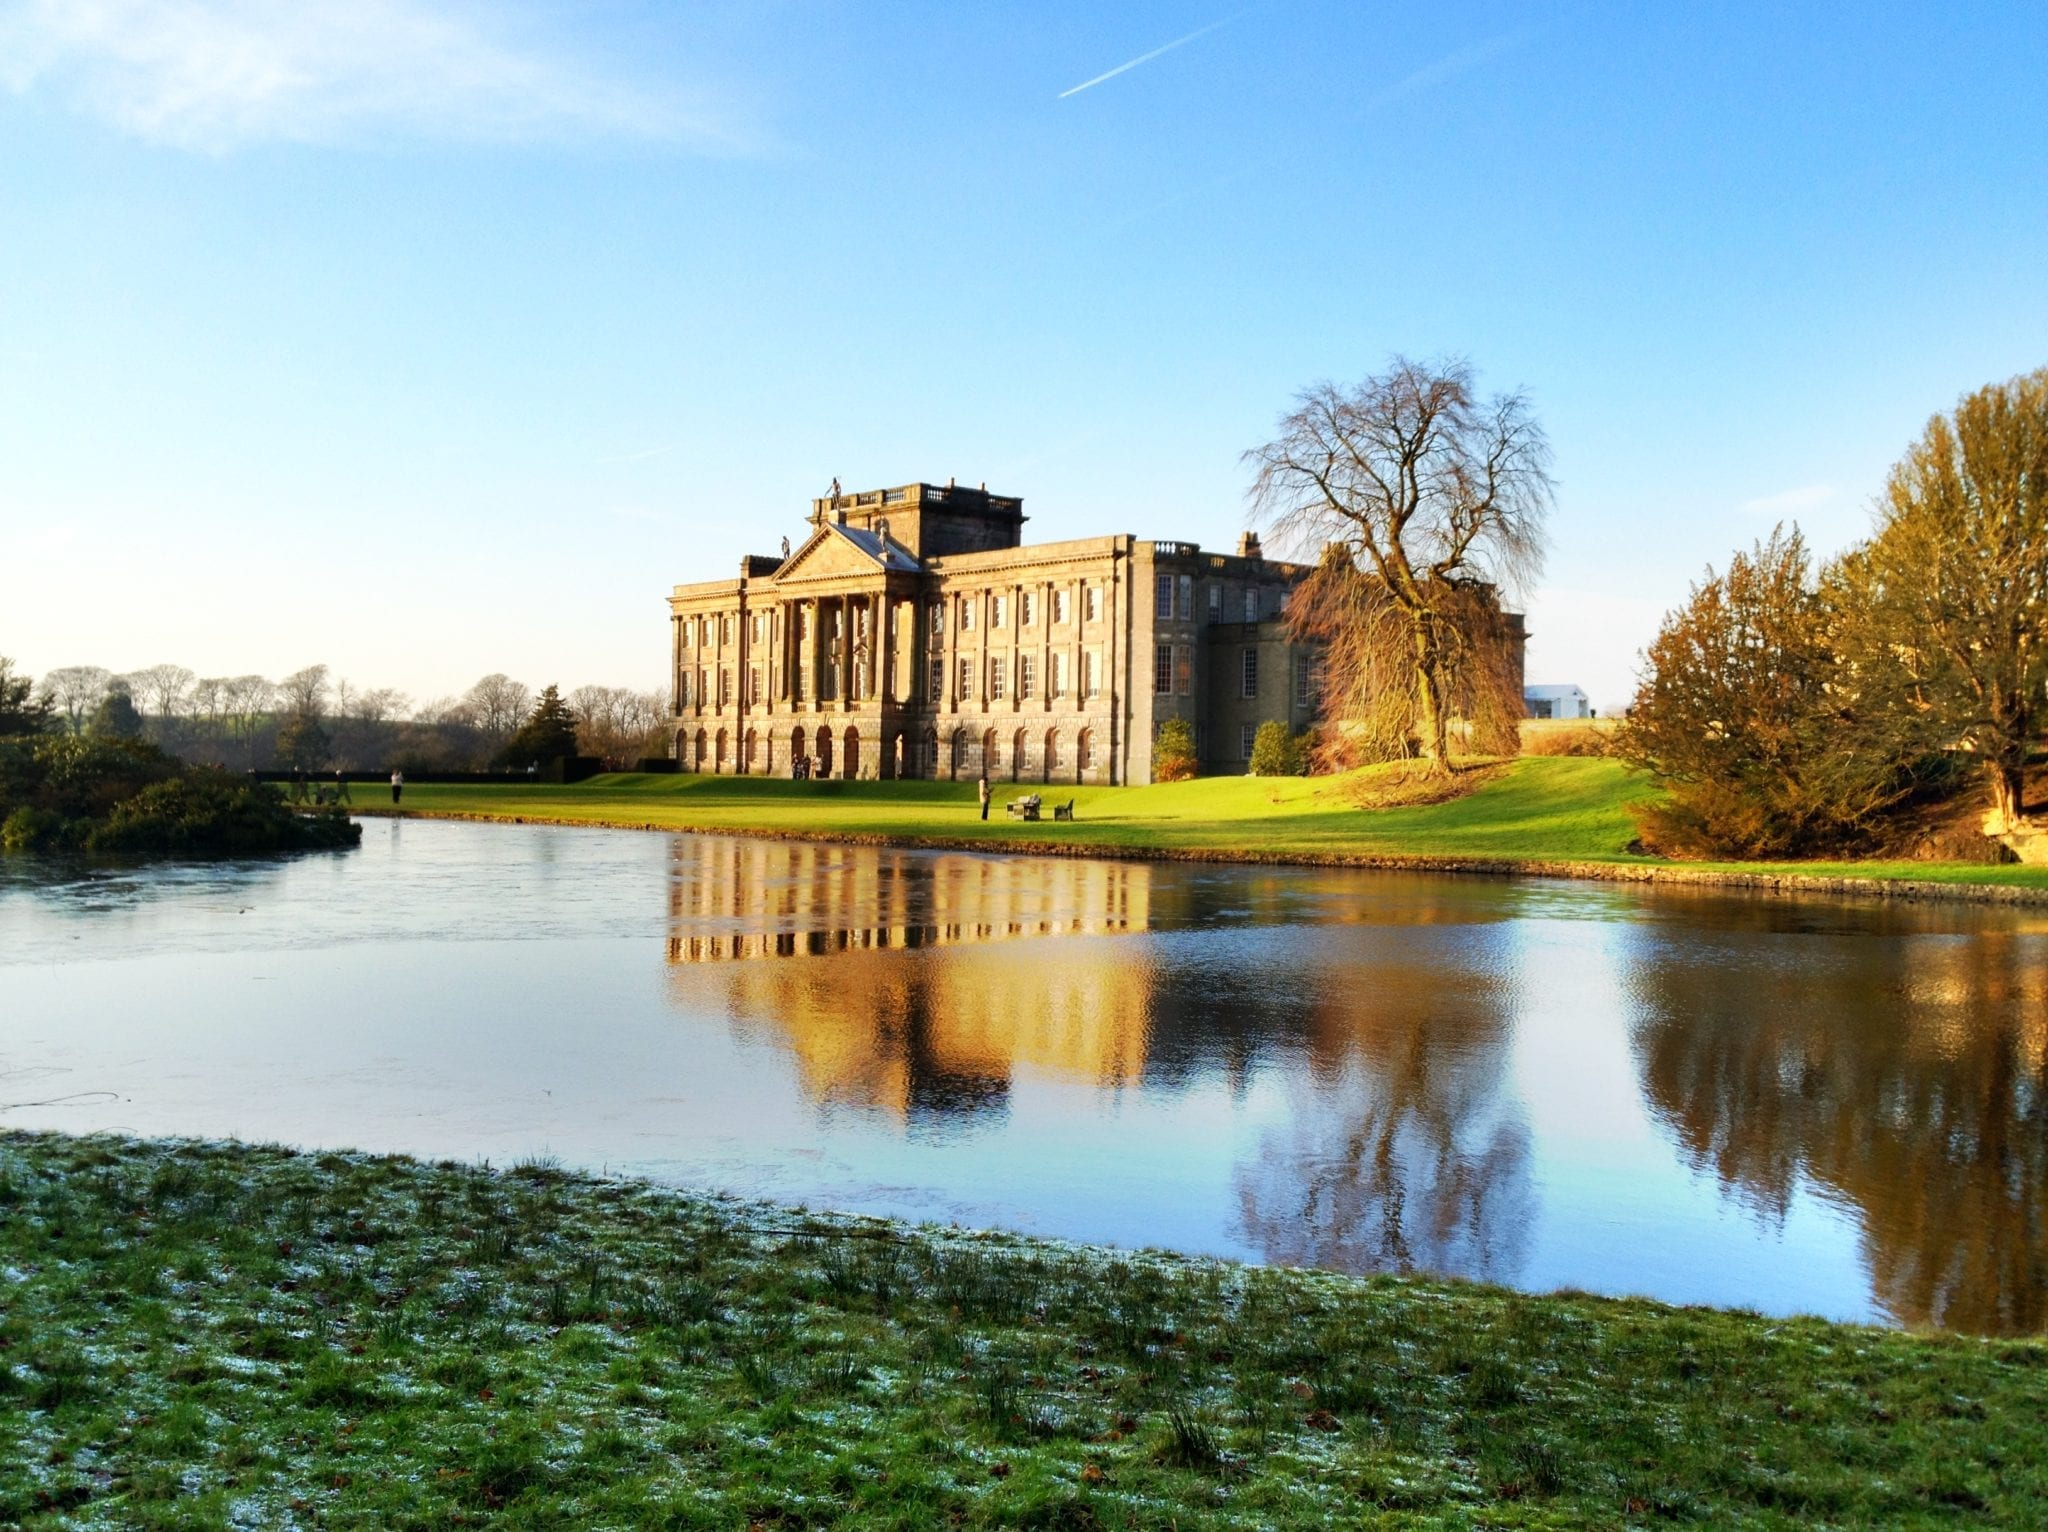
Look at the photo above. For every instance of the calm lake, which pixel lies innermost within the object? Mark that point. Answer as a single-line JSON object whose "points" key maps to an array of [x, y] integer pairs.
{"points": [[1796, 1106]]}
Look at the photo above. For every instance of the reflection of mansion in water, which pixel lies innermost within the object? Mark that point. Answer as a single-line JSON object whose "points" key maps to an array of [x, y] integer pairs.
{"points": [[735, 900], [913, 634], [879, 1028]]}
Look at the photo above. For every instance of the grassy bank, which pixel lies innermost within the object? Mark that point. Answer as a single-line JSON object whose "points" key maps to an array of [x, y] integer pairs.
{"points": [[1545, 811], [197, 1336]]}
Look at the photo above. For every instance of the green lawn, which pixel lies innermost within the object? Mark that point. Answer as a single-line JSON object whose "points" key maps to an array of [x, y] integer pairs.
{"points": [[1536, 809], [1557, 807], [207, 1336]]}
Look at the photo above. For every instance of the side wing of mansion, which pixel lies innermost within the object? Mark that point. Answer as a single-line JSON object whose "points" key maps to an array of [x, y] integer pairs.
{"points": [[913, 633]]}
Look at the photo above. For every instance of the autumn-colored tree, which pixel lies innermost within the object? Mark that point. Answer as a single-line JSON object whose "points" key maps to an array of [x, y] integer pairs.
{"points": [[1953, 588], [1746, 717], [1173, 751], [1424, 500]]}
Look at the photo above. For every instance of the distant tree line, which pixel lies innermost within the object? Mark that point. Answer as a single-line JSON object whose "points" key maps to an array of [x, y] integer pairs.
{"points": [[314, 721], [1795, 709]]}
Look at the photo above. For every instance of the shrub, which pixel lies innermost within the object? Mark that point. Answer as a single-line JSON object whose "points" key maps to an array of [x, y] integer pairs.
{"points": [[211, 813], [70, 793], [1173, 751], [1276, 752], [1581, 739]]}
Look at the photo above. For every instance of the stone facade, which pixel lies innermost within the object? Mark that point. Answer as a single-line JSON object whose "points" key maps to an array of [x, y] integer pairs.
{"points": [[913, 633]]}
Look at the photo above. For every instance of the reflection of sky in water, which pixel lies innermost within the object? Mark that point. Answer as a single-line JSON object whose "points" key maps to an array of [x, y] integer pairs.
{"points": [[1792, 1105]]}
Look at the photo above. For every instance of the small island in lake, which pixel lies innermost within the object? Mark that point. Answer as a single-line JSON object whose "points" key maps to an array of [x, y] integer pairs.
{"points": [[80, 793]]}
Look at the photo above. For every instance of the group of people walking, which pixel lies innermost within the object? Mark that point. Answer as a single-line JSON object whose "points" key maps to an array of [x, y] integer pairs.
{"points": [[319, 794], [305, 790]]}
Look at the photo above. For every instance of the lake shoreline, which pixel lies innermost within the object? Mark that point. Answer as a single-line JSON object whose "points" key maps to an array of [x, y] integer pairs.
{"points": [[1794, 884], [389, 1340]]}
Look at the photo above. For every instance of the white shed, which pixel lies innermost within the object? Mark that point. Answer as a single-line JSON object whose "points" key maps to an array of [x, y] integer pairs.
{"points": [[1556, 702]]}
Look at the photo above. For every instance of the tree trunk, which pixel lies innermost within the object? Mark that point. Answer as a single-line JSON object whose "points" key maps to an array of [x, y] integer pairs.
{"points": [[1429, 699], [2007, 791]]}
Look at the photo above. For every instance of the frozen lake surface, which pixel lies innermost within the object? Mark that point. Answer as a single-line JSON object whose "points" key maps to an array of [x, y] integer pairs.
{"points": [[1795, 1106]]}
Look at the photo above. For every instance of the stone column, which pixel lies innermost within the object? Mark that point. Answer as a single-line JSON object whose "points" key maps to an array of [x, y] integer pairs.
{"points": [[845, 635], [885, 649]]}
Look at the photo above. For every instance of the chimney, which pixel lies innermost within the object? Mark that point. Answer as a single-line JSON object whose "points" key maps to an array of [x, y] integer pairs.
{"points": [[1248, 546]]}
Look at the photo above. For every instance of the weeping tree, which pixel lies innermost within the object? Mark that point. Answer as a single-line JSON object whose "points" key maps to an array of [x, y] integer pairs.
{"points": [[1426, 501]]}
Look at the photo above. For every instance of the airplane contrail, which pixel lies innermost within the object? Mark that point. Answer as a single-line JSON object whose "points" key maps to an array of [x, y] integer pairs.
{"points": [[1146, 58]]}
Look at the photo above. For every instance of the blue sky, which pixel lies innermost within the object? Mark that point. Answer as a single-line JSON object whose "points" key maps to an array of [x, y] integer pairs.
{"points": [[431, 340]]}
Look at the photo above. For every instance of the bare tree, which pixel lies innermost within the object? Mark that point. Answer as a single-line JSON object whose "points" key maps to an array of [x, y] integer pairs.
{"points": [[246, 700], [208, 704], [380, 704], [303, 693], [163, 691], [76, 691], [445, 710], [498, 705], [1425, 501]]}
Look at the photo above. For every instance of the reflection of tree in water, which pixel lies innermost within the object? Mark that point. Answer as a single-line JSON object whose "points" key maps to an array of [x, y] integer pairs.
{"points": [[1402, 1149], [1909, 1076]]}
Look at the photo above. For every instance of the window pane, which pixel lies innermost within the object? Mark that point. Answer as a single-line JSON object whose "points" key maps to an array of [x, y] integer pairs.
{"points": [[1162, 669], [1162, 598]]}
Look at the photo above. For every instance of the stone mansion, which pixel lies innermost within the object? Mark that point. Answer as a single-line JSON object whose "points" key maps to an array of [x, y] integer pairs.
{"points": [[913, 633]]}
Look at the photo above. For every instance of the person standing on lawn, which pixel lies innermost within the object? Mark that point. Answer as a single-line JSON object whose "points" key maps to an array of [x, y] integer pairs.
{"points": [[984, 795], [397, 785]]}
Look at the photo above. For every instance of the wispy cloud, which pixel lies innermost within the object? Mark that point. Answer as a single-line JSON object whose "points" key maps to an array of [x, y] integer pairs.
{"points": [[1416, 82], [1789, 502], [213, 75], [1448, 67], [1146, 58]]}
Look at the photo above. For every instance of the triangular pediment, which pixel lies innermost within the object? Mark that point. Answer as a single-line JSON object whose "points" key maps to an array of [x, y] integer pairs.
{"points": [[826, 555]]}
